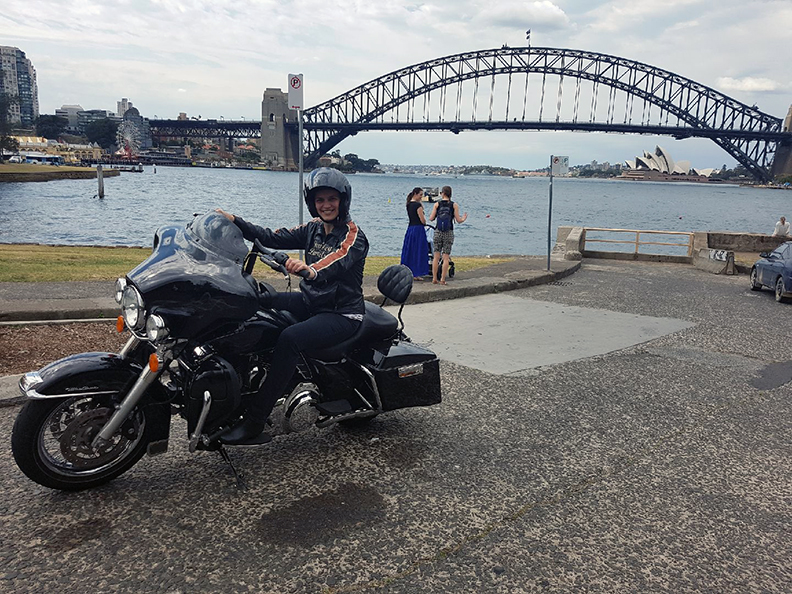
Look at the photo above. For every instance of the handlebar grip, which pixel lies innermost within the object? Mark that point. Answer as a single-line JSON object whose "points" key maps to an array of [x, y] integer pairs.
{"points": [[306, 274]]}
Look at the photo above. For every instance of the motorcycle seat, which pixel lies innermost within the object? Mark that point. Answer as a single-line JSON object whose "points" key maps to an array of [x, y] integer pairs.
{"points": [[377, 325]]}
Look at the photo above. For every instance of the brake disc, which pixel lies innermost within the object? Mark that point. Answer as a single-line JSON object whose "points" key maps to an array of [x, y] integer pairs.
{"points": [[76, 442]]}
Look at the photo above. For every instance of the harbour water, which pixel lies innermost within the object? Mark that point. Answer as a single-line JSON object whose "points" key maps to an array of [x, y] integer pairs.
{"points": [[506, 215]]}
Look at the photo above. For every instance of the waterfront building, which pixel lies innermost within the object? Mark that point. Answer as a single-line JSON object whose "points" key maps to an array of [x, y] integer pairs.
{"points": [[661, 162], [18, 79], [34, 147]]}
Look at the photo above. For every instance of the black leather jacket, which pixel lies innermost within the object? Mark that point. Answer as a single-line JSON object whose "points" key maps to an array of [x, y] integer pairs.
{"points": [[338, 259]]}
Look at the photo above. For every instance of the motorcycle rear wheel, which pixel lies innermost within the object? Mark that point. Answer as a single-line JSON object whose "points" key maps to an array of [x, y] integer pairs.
{"points": [[51, 443]]}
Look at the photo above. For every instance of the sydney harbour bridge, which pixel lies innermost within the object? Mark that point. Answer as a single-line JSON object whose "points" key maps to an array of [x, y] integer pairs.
{"points": [[516, 88]]}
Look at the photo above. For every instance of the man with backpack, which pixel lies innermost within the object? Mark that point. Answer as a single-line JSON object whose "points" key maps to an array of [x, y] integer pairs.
{"points": [[445, 212]]}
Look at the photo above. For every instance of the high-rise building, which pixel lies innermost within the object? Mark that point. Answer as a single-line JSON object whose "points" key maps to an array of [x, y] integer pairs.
{"points": [[123, 106], [18, 79]]}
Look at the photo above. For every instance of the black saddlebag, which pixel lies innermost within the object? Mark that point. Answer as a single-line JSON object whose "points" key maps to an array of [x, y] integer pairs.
{"points": [[406, 375]]}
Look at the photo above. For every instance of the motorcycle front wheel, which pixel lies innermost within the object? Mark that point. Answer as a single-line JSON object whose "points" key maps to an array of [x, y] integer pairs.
{"points": [[52, 442]]}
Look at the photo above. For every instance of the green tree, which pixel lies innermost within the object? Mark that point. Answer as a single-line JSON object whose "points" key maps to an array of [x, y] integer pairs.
{"points": [[102, 132], [6, 127], [51, 126]]}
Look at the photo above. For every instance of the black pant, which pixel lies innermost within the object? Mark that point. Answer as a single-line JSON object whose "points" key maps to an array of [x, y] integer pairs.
{"points": [[313, 332]]}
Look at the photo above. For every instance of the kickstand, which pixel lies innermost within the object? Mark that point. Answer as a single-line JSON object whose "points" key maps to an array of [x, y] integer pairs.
{"points": [[240, 478]]}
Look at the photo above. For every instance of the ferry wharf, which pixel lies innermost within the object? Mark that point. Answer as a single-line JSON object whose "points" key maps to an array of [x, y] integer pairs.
{"points": [[622, 429]]}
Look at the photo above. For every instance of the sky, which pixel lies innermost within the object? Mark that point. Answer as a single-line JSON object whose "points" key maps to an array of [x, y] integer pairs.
{"points": [[214, 58]]}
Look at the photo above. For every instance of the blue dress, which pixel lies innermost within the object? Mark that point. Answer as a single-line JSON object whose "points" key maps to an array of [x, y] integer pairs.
{"points": [[415, 251]]}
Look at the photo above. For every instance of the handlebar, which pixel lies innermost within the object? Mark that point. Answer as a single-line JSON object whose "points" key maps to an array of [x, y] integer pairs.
{"points": [[275, 260]]}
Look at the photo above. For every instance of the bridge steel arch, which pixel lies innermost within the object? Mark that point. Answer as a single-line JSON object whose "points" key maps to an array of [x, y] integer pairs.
{"points": [[747, 134]]}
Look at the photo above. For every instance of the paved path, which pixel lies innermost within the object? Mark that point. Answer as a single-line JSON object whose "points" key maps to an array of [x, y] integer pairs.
{"points": [[659, 462]]}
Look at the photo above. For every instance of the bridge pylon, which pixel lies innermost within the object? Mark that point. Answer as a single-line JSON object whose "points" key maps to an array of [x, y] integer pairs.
{"points": [[279, 143], [782, 163]]}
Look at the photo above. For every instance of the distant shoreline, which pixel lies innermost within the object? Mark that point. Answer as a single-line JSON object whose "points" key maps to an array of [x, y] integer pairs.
{"points": [[44, 173]]}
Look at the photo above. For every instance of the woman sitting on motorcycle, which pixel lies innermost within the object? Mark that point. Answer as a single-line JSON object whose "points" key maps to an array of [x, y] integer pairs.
{"points": [[330, 302]]}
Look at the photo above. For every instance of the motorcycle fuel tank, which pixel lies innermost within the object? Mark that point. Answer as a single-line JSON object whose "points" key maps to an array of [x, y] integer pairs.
{"points": [[194, 278]]}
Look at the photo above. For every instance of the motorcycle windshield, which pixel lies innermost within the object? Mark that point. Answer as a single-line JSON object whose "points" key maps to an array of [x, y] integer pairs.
{"points": [[214, 232], [195, 273]]}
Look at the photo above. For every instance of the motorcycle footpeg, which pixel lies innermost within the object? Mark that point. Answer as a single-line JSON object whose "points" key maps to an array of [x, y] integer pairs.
{"points": [[253, 442], [333, 408]]}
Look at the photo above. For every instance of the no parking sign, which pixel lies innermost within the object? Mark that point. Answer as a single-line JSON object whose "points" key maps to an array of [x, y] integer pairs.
{"points": [[295, 91]]}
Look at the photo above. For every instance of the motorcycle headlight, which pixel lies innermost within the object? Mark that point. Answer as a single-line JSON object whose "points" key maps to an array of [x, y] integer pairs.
{"points": [[132, 307], [155, 328], [120, 285]]}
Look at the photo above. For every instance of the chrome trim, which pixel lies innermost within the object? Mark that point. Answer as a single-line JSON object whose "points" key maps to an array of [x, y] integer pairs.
{"points": [[366, 402], [33, 395], [130, 345], [30, 379], [373, 384], [358, 414], [120, 285], [196, 436]]}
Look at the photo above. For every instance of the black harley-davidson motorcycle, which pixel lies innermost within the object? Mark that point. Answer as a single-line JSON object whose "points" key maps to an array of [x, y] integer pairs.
{"points": [[201, 339]]}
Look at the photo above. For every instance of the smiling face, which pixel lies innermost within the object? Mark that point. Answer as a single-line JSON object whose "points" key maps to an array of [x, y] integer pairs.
{"points": [[327, 201]]}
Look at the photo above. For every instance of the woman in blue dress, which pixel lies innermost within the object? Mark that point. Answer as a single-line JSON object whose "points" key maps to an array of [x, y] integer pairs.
{"points": [[415, 251]]}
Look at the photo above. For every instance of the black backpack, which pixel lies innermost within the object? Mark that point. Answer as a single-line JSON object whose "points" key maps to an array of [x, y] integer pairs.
{"points": [[445, 215]]}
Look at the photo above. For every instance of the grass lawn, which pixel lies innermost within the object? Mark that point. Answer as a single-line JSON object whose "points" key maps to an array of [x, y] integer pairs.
{"points": [[41, 263]]}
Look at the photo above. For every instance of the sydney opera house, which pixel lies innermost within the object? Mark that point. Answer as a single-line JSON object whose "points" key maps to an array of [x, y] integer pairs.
{"points": [[660, 166]]}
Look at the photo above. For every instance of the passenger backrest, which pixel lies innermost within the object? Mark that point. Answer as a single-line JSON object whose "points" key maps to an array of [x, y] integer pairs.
{"points": [[396, 282]]}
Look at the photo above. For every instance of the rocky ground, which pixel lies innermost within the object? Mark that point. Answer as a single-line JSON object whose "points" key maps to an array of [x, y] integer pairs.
{"points": [[25, 348]]}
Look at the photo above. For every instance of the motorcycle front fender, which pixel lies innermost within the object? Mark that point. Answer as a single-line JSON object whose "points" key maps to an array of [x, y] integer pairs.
{"points": [[86, 374], [94, 375]]}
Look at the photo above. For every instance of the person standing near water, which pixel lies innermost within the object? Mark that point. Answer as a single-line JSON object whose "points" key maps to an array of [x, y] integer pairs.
{"points": [[446, 212], [415, 250]]}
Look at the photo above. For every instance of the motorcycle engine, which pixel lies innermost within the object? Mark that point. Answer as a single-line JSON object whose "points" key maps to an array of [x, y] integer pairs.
{"points": [[220, 379]]}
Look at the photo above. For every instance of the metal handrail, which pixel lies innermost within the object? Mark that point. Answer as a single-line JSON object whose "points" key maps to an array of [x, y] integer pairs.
{"points": [[637, 241]]}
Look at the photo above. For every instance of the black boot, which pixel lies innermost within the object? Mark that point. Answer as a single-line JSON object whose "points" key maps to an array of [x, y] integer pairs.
{"points": [[245, 432]]}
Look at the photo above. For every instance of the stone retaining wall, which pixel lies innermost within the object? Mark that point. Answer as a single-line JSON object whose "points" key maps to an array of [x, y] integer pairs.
{"points": [[571, 242]]}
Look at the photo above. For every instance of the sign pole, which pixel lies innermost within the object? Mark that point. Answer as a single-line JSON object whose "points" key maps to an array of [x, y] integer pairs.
{"points": [[300, 143], [550, 213], [296, 102]]}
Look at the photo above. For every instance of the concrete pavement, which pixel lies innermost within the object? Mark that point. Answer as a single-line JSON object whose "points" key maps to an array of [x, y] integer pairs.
{"points": [[658, 460]]}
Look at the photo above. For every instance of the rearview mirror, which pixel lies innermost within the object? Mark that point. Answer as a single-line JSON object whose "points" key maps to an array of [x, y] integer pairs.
{"points": [[764, 254]]}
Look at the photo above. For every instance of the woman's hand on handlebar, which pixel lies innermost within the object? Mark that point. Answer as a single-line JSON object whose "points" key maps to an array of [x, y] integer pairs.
{"points": [[298, 266], [227, 215]]}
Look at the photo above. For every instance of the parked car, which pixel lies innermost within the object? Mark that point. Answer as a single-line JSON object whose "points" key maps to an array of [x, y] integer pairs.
{"points": [[16, 159], [774, 271]]}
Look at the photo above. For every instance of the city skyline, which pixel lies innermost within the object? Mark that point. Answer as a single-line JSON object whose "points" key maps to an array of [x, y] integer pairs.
{"points": [[214, 59]]}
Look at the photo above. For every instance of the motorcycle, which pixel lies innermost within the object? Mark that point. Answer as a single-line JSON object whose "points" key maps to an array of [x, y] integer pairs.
{"points": [[202, 333]]}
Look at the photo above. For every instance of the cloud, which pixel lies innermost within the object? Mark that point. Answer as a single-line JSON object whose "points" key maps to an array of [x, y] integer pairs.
{"points": [[749, 84], [540, 14], [618, 15]]}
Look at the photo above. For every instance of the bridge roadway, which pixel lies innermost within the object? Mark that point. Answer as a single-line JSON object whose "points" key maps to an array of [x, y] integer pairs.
{"points": [[624, 429]]}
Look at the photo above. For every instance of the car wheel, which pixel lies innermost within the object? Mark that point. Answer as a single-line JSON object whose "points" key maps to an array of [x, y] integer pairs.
{"points": [[780, 289], [755, 284]]}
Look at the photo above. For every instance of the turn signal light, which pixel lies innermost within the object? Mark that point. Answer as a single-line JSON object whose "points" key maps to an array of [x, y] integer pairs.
{"points": [[153, 362], [120, 323]]}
